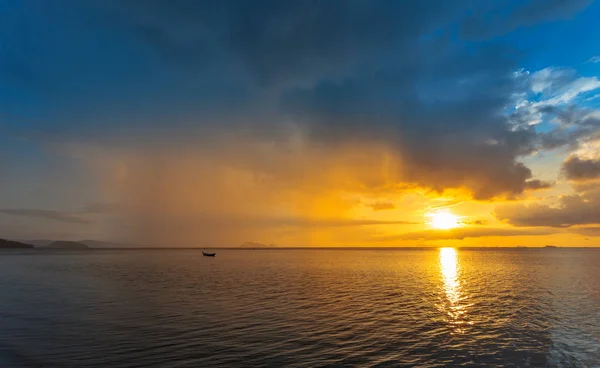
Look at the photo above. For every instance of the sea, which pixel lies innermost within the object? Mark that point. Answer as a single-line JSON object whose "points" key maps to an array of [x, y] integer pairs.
{"points": [[433, 307]]}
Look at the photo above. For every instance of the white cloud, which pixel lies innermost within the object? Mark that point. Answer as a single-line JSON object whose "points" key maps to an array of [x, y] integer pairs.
{"points": [[544, 79], [526, 113], [593, 97], [561, 85], [574, 89], [594, 59], [556, 95]]}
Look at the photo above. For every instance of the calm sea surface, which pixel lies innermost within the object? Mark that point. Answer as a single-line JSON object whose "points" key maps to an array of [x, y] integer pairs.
{"points": [[301, 308]]}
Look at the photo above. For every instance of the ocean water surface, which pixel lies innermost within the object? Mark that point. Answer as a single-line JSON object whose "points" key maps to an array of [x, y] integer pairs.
{"points": [[301, 308]]}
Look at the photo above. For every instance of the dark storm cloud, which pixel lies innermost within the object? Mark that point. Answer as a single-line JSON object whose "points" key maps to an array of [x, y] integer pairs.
{"points": [[445, 139], [576, 168], [577, 209], [343, 73], [282, 41], [46, 214], [21, 73]]}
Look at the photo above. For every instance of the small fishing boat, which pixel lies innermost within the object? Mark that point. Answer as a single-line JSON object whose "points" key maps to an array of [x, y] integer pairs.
{"points": [[206, 254]]}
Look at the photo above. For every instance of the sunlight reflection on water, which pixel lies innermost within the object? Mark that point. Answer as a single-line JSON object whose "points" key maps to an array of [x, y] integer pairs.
{"points": [[450, 273]]}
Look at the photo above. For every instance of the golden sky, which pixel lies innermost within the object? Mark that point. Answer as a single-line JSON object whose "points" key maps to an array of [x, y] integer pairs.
{"points": [[375, 123], [251, 192]]}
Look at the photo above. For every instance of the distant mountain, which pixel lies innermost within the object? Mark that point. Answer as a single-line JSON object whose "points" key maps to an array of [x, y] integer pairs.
{"points": [[257, 245], [104, 244], [64, 244], [9, 244], [39, 242], [42, 243]]}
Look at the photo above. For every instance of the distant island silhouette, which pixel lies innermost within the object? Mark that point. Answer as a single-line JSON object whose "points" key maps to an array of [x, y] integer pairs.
{"points": [[10, 244], [42, 244], [65, 244]]}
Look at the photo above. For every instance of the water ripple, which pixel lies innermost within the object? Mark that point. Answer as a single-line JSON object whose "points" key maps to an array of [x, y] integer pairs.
{"points": [[426, 308]]}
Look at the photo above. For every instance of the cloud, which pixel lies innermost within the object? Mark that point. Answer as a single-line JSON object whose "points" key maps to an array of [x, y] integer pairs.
{"points": [[22, 74], [576, 168], [462, 233], [556, 97], [576, 126], [288, 222], [312, 222], [594, 59], [587, 231], [538, 184], [595, 97], [445, 203], [446, 145], [561, 85], [47, 214], [282, 42], [101, 208], [382, 206], [235, 109], [319, 86], [577, 209], [187, 197], [498, 18], [323, 75], [475, 222]]}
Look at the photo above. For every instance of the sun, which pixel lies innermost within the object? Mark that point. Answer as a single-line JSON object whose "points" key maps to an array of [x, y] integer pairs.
{"points": [[443, 220]]}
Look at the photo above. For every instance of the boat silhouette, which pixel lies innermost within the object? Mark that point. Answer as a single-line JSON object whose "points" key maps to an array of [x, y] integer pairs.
{"points": [[206, 254]]}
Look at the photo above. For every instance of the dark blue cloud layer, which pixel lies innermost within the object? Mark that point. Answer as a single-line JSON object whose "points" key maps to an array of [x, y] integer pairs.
{"points": [[403, 74]]}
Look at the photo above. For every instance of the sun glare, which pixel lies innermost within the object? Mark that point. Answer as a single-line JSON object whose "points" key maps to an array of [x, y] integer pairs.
{"points": [[443, 220]]}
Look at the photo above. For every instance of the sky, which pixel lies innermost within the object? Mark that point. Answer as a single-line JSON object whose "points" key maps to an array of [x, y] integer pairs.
{"points": [[301, 123]]}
